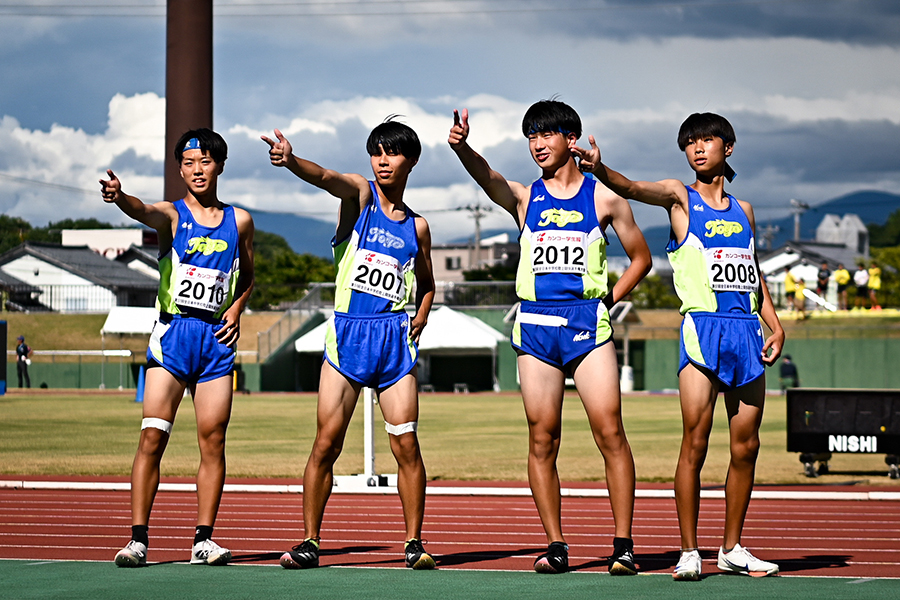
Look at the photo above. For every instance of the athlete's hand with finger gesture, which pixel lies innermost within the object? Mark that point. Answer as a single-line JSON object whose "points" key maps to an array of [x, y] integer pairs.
{"points": [[772, 348], [280, 151], [590, 157], [110, 188], [460, 130], [230, 331]]}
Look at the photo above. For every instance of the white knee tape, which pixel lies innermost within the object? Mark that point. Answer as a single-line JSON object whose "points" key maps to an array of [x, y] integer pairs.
{"points": [[160, 424], [412, 426]]}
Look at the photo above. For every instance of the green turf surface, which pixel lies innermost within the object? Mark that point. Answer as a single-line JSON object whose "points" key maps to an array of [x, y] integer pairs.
{"points": [[24, 580], [463, 436]]}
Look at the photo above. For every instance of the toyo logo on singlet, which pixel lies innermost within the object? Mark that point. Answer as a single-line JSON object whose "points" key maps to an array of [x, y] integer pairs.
{"points": [[206, 246], [560, 217], [722, 227], [385, 238]]}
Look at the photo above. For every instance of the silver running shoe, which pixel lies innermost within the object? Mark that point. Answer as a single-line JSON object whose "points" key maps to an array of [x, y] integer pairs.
{"points": [[689, 566], [739, 560], [132, 555], [210, 553]]}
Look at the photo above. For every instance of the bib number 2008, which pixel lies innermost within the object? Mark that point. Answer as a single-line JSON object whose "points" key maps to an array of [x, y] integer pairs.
{"points": [[732, 270]]}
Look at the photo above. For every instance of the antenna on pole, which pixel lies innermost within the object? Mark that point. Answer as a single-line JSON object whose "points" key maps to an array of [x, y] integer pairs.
{"points": [[478, 213], [767, 234], [797, 209]]}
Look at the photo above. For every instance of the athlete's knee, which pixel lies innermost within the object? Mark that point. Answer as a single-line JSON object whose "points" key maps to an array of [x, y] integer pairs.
{"points": [[745, 451], [154, 435]]}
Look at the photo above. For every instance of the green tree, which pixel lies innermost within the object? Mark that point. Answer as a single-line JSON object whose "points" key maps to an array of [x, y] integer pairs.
{"points": [[889, 261], [883, 236], [653, 292], [53, 231], [281, 274], [13, 231]]}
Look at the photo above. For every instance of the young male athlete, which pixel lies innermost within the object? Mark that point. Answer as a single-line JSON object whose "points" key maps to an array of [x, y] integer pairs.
{"points": [[562, 326], [206, 276], [380, 248], [717, 277]]}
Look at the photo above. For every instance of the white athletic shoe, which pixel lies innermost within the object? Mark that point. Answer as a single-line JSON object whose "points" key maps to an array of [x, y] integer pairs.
{"points": [[208, 552], [689, 566], [739, 560], [132, 555]]}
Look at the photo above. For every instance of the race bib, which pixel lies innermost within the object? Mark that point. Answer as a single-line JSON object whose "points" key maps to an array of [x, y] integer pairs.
{"points": [[379, 275], [732, 270], [559, 252], [201, 288]]}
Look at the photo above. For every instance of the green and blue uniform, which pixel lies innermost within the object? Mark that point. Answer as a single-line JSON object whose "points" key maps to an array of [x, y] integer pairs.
{"points": [[717, 279], [198, 276], [367, 339], [562, 277]]}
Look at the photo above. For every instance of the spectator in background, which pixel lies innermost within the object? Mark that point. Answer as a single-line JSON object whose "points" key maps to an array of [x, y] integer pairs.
{"points": [[23, 359], [874, 285], [842, 278], [788, 372], [822, 278], [790, 287], [800, 299], [861, 281]]}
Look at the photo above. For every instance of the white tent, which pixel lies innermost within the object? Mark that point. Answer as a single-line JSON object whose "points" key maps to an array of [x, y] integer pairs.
{"points": [[121, 321], [448, 332]]}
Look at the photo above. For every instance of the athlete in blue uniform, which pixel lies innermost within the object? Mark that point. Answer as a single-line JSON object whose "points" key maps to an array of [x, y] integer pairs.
{"points": [[723, 296], [562, 326], [206, 276], [381, 248]]}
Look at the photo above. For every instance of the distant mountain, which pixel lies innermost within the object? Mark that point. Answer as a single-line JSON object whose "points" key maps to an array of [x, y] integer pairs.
{"points": [[303, 235]]}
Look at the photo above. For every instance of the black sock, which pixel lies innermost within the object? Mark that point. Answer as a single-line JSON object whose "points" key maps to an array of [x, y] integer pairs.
{"points": [[203, 532], [620, 544], [139, 534]]}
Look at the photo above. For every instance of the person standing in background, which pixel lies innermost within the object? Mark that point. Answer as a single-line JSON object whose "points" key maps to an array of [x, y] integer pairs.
{"points": [[23, 359]]}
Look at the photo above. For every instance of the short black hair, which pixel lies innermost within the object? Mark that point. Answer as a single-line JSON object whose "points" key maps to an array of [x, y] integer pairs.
{"points": [[395, 138], [699, 125], [551, 115], [210, 142]]}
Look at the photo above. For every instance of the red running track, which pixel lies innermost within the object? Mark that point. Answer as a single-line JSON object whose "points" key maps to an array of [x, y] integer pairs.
{"points": [[815, 538]]}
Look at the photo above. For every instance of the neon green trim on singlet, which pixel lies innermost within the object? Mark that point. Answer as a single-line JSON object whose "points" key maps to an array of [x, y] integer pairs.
{"points": [[232, 288], [409, 276], [689, 272], [604, 329], [596, 281], [165, 297], [524, 276], [344, 254]]}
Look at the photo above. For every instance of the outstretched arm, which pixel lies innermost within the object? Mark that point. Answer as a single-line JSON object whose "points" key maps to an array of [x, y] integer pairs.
{"points": [[665, 193], [158, 216], [230, 331], [424, 280], [774, 343], [506, 194], [339, 185], [635, 247]]}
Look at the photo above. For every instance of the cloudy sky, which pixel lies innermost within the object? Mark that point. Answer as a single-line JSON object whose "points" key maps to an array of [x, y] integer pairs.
{"points": [[812, 88]]}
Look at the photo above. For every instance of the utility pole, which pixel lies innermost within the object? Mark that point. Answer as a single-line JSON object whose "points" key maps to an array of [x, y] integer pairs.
{"points": [[798, 208], [189, 74], [478, 213], [767, 234]]}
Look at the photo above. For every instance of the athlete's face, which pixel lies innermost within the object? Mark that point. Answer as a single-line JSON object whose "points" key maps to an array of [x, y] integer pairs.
{"points": [[199, 171], [551, 149], [707, 154], [391, 168]]}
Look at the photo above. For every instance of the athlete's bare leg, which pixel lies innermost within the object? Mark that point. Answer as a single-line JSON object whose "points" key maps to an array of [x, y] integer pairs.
{"points": [[162, 396], [212, 406], [597, 382], [698, 402], [542, 392], [745, 411], [399, 405], [337, 400]]}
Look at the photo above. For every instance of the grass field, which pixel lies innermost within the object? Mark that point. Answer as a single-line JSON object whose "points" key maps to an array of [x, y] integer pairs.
{"points": [[463, 436]]}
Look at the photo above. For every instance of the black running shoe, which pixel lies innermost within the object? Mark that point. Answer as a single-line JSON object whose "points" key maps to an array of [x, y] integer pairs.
{"points": [[622, 560], [554, 560], [416, 557], [301, 556]]}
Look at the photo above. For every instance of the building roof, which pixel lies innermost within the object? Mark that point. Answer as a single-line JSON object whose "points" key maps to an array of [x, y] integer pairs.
{"points": [[814, 253], [84, 262]]}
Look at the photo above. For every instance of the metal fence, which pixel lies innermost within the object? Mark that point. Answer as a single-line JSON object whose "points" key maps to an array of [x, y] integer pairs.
{"points": [[79, 298]]}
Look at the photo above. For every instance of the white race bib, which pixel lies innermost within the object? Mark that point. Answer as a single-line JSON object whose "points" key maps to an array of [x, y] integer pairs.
{"points": [[379, 275], [559, 252], [732, 270], [202, 288]]}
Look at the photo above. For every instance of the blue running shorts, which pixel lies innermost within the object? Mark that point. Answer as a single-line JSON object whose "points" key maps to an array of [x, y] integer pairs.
{"points": [[559, 332], [727, 344], [374, 350], [187, 348]]}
